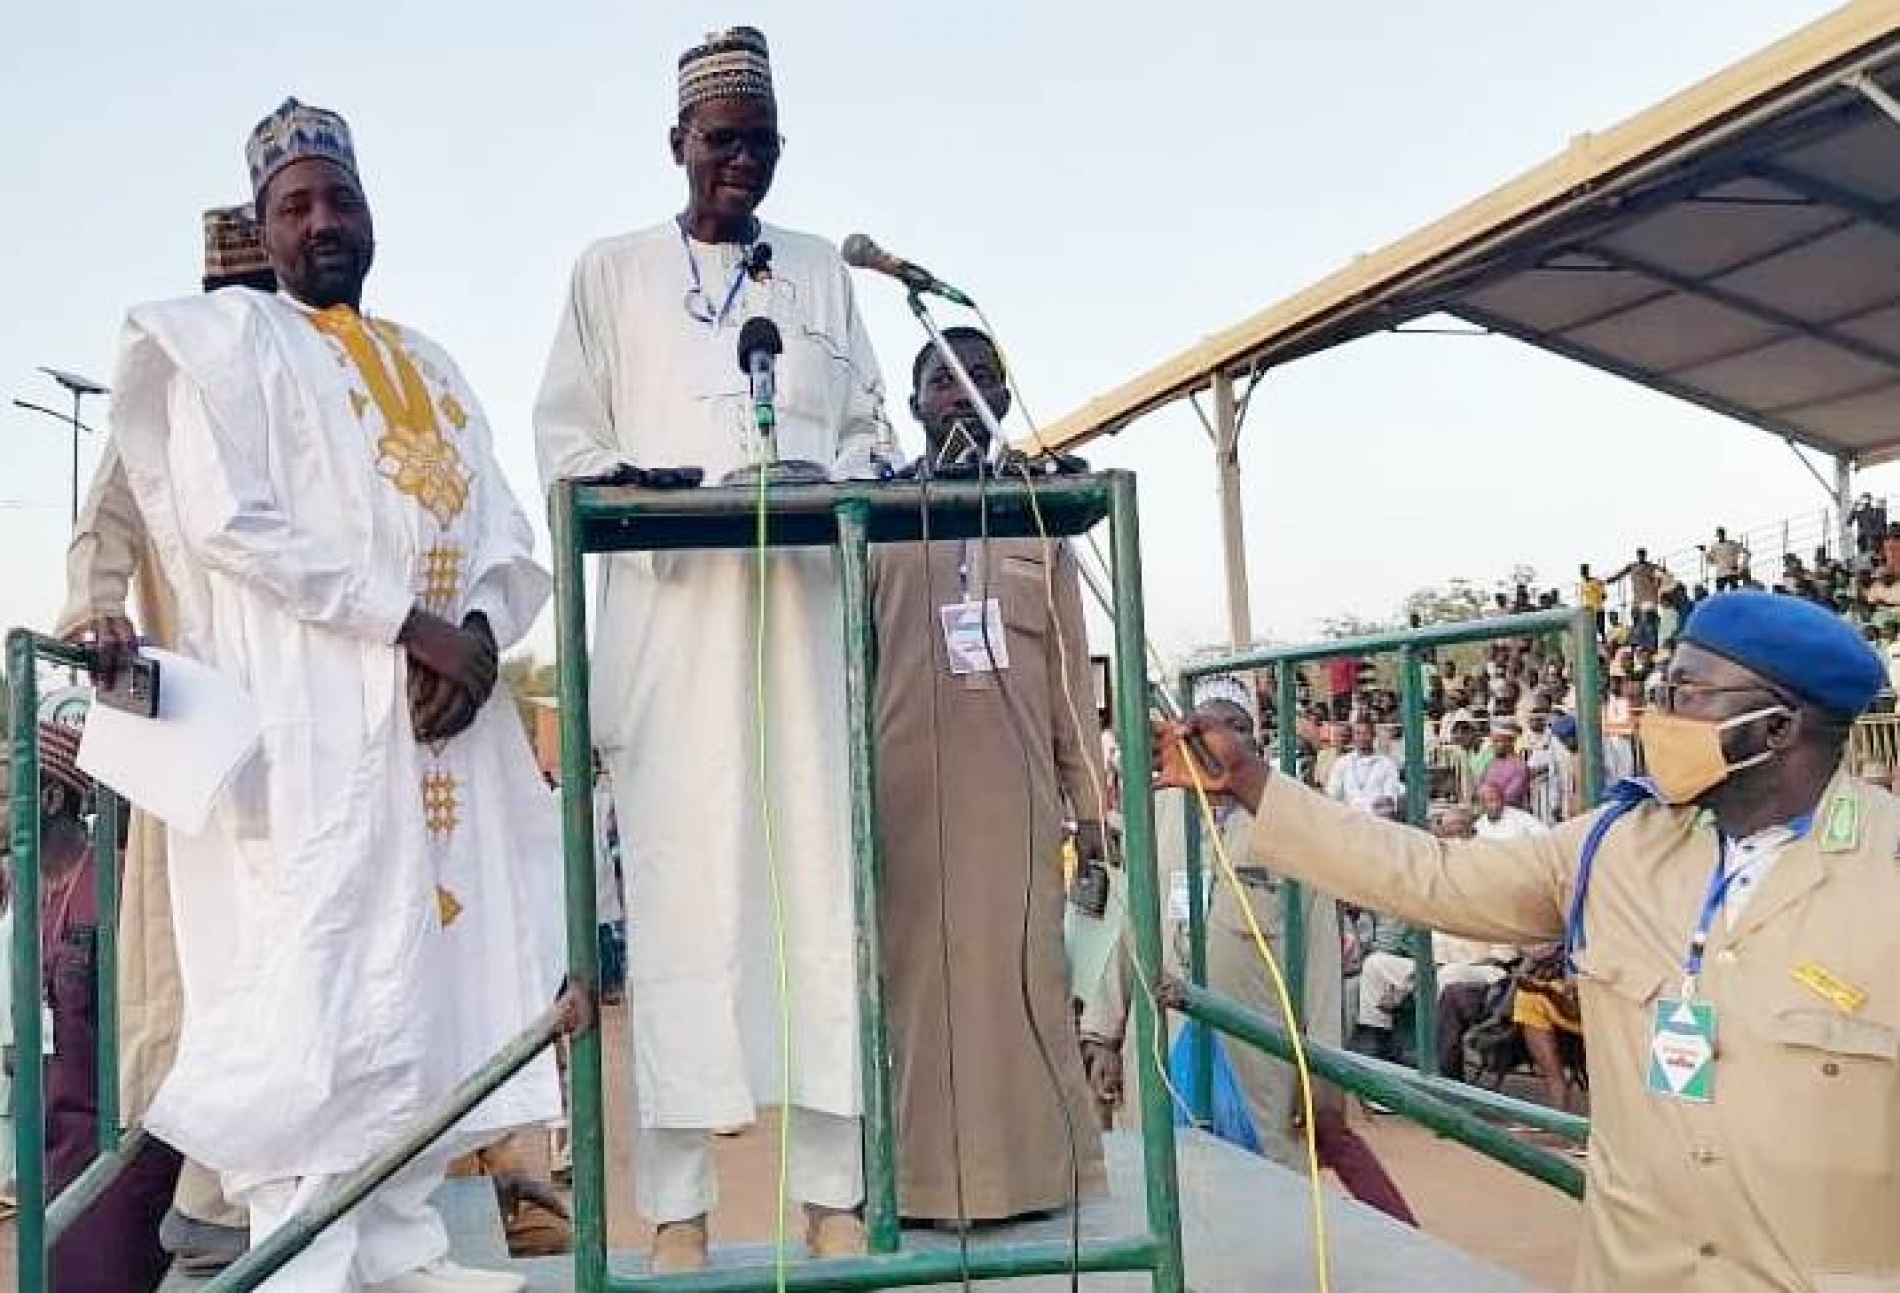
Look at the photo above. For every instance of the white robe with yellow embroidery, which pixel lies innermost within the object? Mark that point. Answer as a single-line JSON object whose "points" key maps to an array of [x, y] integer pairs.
{"points": [[300, 510]]}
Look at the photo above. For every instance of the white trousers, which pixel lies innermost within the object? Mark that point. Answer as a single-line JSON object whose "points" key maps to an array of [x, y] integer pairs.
{"points": [[391, 1233], [1385, 981], [673, 1167]]}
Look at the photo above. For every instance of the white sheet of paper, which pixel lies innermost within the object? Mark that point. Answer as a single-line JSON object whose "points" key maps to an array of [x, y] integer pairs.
{"points": [[176, 765]]}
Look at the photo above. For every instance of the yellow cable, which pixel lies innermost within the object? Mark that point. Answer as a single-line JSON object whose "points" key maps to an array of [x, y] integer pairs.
{"points": [[761, 715], [1321, 1260]]}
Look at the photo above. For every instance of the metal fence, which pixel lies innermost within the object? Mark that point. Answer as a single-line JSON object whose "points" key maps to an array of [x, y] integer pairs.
{"points": [[1421, 1093]]}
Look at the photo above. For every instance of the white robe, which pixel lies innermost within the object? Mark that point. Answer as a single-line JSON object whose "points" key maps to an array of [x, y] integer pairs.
{"points": [[633, 378], [326, 1002]]}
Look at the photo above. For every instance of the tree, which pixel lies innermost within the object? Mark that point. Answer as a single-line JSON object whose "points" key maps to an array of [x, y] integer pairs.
{"points": [[1449, 603]]}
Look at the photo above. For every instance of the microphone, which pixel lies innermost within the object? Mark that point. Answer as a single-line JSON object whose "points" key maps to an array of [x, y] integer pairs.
{"points": [[759, 347], [860, 251]]}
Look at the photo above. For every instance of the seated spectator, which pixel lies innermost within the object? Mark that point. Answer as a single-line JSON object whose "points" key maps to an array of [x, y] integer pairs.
{"points": [[1500, 820], [1507, 771], [1544, 1008], [1388, 971]]}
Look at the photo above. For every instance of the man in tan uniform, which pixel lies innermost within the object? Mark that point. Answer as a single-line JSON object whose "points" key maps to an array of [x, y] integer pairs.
{"points": [[971, 808], [1731, 925], [109, 551]]}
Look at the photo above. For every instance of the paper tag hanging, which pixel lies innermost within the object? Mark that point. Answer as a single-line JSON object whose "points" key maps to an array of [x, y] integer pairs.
{"points": [[1682, 1050], [973, 637]]}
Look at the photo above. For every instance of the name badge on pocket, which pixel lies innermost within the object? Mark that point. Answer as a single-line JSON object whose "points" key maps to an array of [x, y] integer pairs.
{"points": [[973, 637], [1682, 1050]]}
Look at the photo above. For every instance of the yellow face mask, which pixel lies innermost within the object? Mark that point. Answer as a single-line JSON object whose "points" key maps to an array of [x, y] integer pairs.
{"points": [[1684, 755]]}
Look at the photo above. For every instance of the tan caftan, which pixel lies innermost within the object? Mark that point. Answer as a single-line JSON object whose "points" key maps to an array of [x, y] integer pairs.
{"points": [[1000, 843]]}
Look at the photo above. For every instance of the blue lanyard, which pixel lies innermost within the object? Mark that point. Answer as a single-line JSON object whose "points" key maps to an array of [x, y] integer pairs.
{"points": [[1719, 884], [698, 290]]}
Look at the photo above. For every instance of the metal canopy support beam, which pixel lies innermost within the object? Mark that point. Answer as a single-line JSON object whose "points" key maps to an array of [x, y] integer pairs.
{"points": [[1870, 89], [1828, 485], [1829, 194], [1756, 310], [1571, 350], [1233, 525], [1844, 501]]}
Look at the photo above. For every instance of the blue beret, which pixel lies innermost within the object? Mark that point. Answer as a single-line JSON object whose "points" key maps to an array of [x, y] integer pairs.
{"points": [[1804, 649]]}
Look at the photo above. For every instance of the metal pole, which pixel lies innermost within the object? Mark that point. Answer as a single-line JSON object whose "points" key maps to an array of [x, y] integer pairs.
{"points": [[1589, 705], [1233, 525], [106, 877], [1388, 1085], [874, 1053], [1201, 1085], [1131, 700], [1425, 968], [296, 1234], [29, 994], [1844, 502], [1292, 898], [585, 1113]]}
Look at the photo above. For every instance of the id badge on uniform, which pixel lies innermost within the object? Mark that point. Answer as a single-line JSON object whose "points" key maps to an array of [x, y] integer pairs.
{"points": [[966, 625], [1682, 1050]]}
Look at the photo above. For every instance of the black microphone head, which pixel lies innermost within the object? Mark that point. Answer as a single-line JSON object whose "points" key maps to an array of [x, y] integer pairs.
{"points": [[860, 251], [756, 334]]}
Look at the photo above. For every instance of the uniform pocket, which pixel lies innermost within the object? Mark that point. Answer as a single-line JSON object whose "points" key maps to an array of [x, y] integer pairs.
{"points": [[1025, 596], [1839, 1034]]}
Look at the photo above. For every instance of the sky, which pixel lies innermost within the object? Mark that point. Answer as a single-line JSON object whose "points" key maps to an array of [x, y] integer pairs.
{"points": [[1113, 182]]}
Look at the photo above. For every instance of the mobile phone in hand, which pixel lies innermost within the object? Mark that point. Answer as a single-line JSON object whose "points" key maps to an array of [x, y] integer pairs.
{"points": [[134, 688]]}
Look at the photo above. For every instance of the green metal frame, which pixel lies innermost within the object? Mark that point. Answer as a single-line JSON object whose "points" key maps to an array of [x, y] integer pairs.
{"points": [[43, 1220], [850, 518], [1361, 1074]]}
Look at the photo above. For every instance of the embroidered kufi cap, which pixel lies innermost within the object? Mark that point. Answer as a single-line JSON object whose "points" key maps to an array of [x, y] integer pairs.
{"points": [[730, 64], [290, 134], [234, 245], [59, 757]]}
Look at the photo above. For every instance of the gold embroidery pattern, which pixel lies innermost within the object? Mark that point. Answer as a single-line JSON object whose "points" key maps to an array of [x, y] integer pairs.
{"points": [[359, 402], [412, 453], [447, 906], [452, 410], [441, 803], [439, 579]]}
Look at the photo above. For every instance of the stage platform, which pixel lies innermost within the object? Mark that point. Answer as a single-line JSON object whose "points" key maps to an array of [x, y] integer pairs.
{"points": [[1247, 1229]]}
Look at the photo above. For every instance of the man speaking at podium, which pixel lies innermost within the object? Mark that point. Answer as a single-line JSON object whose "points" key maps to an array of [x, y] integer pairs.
{"points": [[644, 380]]}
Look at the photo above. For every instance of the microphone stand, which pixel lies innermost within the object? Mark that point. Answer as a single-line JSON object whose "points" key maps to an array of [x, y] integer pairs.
{"points": [[999, 445]]}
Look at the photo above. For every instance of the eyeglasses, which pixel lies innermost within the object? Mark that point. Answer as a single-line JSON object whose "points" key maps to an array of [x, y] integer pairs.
{"points": [[725, 141], [1671, 694]]}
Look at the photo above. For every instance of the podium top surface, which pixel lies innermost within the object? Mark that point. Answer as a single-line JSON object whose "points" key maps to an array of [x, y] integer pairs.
{"points": [[611, 518]]}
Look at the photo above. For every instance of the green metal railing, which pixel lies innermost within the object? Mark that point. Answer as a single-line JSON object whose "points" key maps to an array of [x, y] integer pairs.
{"points": [[1427, 1094], [849, 519], [42, 1220]]}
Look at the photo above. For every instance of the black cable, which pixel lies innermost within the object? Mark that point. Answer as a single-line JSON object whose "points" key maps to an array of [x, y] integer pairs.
{"points": [[943, 883], [1018, 727]]}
